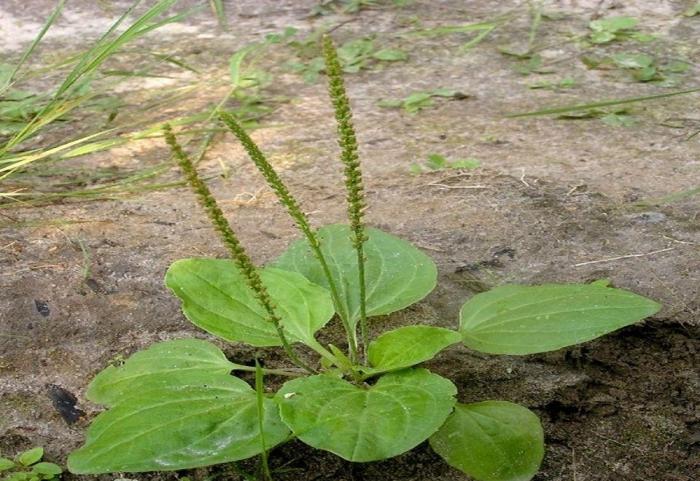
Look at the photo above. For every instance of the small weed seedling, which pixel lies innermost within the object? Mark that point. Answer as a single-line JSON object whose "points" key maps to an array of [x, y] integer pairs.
{"points": [[354, 55], [418, 101], [610, 29], [692, 11], [176, 405], [27, 466], [641, 67], [565, 83], [440, 162]]}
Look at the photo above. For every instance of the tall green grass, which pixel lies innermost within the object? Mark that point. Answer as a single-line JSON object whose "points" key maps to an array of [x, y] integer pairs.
{"points": [[73, 94]]}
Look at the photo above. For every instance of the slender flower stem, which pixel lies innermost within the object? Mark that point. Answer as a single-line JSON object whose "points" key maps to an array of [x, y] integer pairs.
{"points": [[238, 253], [353, 175], [295, 212], [260, 397]]}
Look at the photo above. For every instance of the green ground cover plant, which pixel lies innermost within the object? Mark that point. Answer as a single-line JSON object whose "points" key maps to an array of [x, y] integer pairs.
{"points": [[610, 29], [176, 405], [418, 101], [354, 55], [28, 466], [440, 162]]}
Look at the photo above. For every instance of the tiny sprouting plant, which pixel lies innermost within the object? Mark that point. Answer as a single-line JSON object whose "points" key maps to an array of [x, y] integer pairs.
{"points": [[418, 101], [609, 29], [440, 162], [641, 67], [354, 55], [177, 406], [692, 10], [27, 466]]}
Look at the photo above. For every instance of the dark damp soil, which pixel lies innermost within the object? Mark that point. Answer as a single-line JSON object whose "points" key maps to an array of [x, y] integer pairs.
{"points": [[554, 201]]}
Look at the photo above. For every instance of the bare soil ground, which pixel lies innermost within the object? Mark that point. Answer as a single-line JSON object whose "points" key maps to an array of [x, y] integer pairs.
{"points": [[555, 200]]}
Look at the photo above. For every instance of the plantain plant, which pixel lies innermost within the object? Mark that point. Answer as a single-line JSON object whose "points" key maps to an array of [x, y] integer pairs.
{"points": [[177, 406]]}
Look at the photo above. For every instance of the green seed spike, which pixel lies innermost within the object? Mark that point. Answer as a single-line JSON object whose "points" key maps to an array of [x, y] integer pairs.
{"points": [[353, 175], [238, 253], [295, 212], [271, 177]]}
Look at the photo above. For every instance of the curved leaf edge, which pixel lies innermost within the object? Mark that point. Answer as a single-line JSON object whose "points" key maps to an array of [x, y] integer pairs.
{"points": [[472, 342], [379, 312], [539, 443]]}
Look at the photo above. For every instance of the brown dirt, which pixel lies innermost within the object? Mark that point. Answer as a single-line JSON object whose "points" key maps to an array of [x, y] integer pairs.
{"points": [[552, 194]]}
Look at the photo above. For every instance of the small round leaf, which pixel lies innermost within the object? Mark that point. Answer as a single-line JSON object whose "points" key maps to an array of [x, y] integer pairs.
{"points": [[31, 456], [47, 469]]}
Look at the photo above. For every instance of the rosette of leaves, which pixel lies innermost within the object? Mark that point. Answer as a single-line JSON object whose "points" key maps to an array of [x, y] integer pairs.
{"points": [[609, 29], [28, 466], [177, 406]]}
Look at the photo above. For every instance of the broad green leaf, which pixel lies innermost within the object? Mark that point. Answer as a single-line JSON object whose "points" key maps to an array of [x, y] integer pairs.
{"points": [[166, 362], [408, 346], [17, 476], [602, 37], [390, 103], [355, 51], [417, 101], [641, 37], [396, 273], [47, 469], [492, 441], [690, 12], [470, 163], [516, 319], [216, 297], [178, 426], [389, 55], [677, 66], [613, 24], [5, 463], [646, 74], [31, 456], [443, 92], [633, 60], [436, 162], [371, 422]]}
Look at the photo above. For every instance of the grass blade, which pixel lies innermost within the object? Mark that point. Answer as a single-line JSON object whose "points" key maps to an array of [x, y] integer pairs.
{"points": [[27, 53], [604, 103], [89, 63], [217, 7]]}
